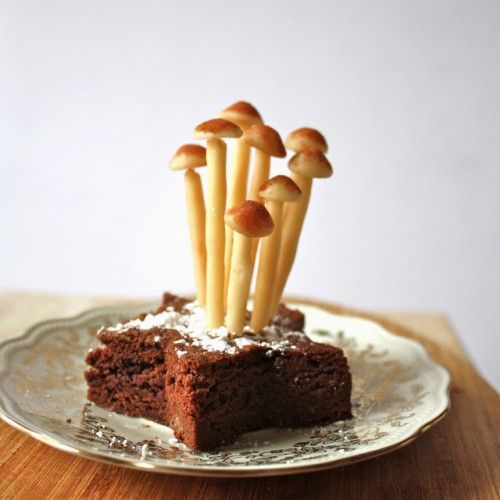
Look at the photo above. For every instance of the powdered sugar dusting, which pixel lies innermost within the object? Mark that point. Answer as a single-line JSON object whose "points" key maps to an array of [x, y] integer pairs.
{"points": [[191, 325]]}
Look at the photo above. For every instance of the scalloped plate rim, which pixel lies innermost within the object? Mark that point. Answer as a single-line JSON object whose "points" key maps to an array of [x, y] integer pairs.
{"points": [[214, 470]]}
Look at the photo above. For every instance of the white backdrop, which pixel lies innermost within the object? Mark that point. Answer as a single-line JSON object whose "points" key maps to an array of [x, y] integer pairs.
{"points": [[95, 97]]}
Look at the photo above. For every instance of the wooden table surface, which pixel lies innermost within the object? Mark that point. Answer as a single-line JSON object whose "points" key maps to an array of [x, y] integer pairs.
{"points": [[458, 458]]}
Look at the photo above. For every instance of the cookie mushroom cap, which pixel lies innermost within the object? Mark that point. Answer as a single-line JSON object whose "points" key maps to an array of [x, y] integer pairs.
{"points": [[280, 188], [311, 163], [266, 139], [250, 218], [306, 138], [188, 156], [218, 128], [241, 113]]}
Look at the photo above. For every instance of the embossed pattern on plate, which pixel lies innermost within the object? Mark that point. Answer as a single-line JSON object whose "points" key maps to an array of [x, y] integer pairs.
{"points": [[398, 392]]}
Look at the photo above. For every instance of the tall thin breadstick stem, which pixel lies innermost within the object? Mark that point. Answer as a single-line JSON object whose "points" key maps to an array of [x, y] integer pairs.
{"points": [[196, 220], [239, 283], [215, 232], [262, 167], [266, 276], [293, 221], [237, 193]]}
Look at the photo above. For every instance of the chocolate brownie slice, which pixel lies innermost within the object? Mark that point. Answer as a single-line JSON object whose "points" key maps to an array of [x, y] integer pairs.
{"points": [[127, 374], [210, 387], [213, 397]]}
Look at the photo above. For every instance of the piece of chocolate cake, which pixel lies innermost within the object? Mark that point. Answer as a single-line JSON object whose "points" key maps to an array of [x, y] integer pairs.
{"points": [[210, 387]]}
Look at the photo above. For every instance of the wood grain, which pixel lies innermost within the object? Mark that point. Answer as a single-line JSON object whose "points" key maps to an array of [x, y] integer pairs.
{"points": [[459, 458]]}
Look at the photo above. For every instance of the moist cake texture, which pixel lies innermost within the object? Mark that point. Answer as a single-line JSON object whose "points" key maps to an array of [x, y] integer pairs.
{"points": [[209, 386]]}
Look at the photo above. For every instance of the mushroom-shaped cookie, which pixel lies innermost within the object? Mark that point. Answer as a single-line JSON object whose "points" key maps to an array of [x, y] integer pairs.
{"points": [[274, 192], [189, 157], [244, 115], [306, 165], [267, 142], [248, 219], [306, 138], [214, 131]]}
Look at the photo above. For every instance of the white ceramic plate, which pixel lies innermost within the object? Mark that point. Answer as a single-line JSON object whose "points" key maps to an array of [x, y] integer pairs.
{"points": [[398, 393]]}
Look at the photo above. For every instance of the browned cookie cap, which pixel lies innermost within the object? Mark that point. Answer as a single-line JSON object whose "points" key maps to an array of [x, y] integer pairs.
{"points": [[310, 163], [242, 113], [188, 156], [280, 188], [249, 218], [266, 139], [306, 138], [217, 128]]}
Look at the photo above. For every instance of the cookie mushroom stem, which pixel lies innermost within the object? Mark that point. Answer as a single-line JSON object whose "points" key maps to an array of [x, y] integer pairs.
{"points": [[249, 220], [213, 131], [274, 192], [261, 171], [305, 166], [188, 157], [266, 142], [196, 221], [305, 138], [244, 115]]}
